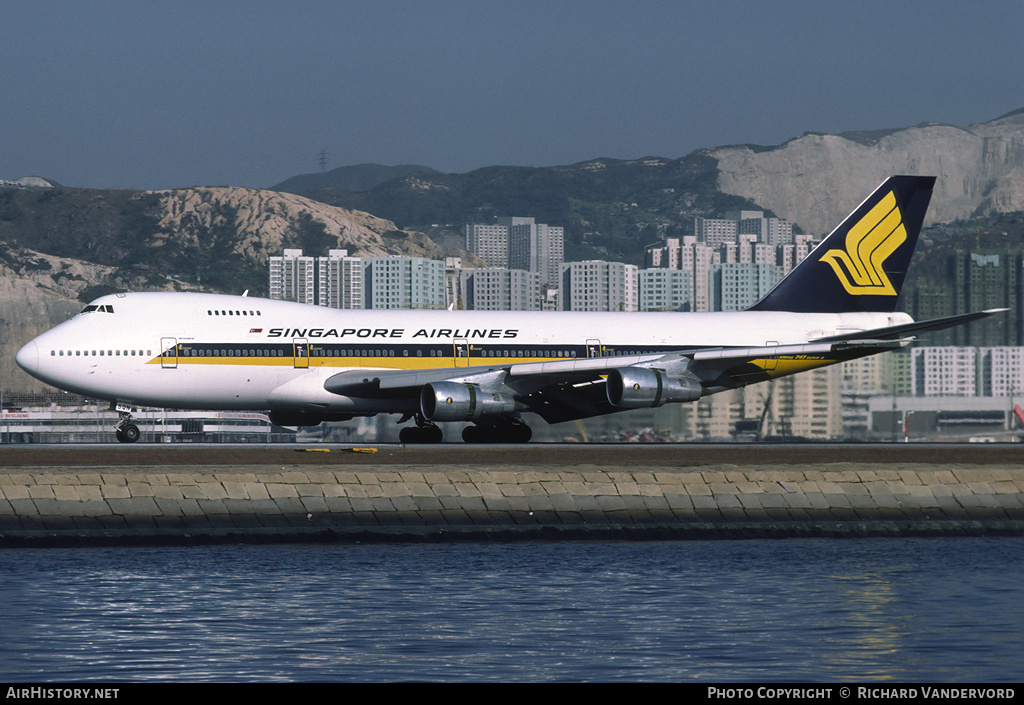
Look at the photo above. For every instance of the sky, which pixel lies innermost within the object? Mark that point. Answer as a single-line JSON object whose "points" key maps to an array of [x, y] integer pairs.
{"points": [[165, 94]]}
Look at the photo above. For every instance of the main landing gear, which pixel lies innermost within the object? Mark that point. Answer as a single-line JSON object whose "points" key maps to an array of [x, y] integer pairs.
{"points": [[422, 432], [126, 431], [505, 431]]}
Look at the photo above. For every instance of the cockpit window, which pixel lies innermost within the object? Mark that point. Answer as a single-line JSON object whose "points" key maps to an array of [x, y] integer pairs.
{"points": [[106, 308]]}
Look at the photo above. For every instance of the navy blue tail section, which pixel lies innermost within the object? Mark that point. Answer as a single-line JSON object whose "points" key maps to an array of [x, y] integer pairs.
{"points": [[861, 265]]}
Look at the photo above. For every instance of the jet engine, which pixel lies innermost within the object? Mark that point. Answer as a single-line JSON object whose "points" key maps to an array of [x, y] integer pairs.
{"points": [[455, 401], [641, 387]]}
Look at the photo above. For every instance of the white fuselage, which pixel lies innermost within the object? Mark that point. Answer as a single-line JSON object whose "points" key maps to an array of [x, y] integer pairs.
{"points": [[206, 351]]}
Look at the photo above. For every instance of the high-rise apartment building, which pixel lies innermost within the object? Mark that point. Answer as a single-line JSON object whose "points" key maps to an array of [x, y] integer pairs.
{"points": [[596, 285], [404, 282], [489, 243], [737, 286], [520, 243], [1002, 371], [498, 289], [535, 247], [341, 280], [943, 371], [722, 251], [975, 281], [665, 290], [293, 277]]}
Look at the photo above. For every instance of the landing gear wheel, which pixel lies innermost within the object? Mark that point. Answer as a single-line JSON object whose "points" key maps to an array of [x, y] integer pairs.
{"points": [[126, 431], [129, 434], [521, 433], [429, 433]]}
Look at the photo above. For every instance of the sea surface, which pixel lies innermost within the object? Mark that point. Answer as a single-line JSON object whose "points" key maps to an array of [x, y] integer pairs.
{"points": [[903, 610]]}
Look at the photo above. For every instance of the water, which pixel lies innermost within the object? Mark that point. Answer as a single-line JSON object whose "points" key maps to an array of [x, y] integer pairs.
{"points": [[935, 610]]}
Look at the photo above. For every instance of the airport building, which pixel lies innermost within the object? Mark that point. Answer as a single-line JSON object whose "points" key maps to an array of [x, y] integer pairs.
{"points": [[90, 422]]}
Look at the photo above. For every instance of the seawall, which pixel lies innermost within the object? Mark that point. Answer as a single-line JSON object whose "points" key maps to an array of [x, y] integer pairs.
{"points": [[322, 500]]}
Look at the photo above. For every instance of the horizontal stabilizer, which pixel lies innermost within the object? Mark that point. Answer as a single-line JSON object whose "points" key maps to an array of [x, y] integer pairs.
{"points": [[912, 328]]}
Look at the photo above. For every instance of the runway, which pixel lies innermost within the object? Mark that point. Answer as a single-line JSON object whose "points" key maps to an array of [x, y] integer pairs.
{"points": [[531, 454], [185, 493]]}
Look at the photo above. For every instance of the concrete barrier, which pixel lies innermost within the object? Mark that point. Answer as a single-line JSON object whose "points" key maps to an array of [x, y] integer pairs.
{"points": [[98, 505]]}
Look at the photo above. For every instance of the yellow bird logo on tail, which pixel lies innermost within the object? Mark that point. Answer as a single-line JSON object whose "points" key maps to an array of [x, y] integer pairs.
{"points": [[868, 244]]}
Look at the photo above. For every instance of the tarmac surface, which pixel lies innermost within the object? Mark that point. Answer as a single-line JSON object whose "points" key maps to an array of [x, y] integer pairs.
{"points": [[190, 493], [531, 454]]}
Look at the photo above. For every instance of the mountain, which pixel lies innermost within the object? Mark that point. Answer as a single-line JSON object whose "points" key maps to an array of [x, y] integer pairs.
{"points": [[611, 208], [811, 180], [608, 207], [361, 177]]}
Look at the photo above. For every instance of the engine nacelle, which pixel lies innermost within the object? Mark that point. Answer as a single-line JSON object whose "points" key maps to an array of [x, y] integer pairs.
{"points": [[455, 401], [642, 387]]}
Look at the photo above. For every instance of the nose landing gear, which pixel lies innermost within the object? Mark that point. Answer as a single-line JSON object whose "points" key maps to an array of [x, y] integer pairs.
{"points": [[126, 431]]}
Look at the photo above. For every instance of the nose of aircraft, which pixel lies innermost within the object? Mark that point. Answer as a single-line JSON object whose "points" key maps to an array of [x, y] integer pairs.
{"points": [[28, 357]]}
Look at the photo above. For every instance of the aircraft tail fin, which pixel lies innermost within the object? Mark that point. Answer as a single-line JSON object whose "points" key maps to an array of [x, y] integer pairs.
{"points": [[861, 265]]}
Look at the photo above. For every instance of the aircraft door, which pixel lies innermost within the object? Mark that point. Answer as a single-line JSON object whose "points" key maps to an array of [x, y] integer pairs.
{"points": [[301, 352], [593, 348], [168, 353], [771, 362], [461, 352]]}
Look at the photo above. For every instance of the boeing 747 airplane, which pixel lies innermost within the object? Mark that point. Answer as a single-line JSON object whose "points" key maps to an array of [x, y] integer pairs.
{"points": [[307, 364]]}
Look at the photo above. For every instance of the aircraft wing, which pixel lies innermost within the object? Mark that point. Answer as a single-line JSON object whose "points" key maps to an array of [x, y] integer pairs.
{"points": [[563, 390]]}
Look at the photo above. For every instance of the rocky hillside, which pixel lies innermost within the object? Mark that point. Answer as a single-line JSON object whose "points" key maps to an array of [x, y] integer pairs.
{"points": [[811, 180], [37, 292], [250, 225]]}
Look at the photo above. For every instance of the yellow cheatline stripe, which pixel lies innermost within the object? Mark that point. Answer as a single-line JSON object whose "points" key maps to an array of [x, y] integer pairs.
{"points": [[788, 366], [403, 363]]}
